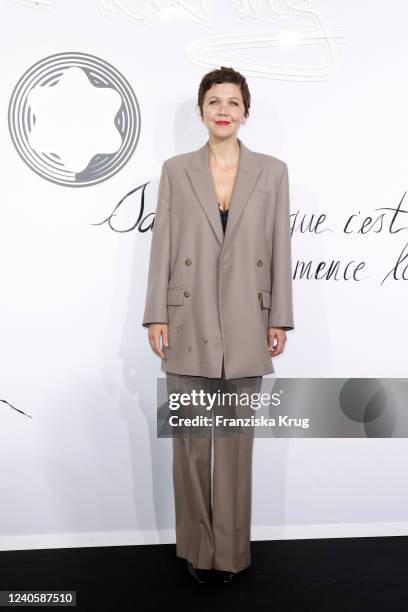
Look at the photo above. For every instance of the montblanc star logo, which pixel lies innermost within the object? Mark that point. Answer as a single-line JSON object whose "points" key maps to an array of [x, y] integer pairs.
{"points": [[74, 119]]}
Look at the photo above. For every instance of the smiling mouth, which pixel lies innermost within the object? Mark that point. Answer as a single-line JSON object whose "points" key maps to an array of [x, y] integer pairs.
{"points": [[222, 122]]}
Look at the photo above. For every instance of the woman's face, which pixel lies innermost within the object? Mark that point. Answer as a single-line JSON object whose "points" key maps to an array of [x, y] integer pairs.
{"points": [[223, 102]]}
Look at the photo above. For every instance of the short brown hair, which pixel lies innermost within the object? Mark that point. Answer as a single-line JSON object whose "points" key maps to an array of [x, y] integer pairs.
{"points": [[224, 75]]}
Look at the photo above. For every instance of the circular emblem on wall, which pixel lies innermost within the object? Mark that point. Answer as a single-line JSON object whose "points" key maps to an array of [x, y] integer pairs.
{"points": [[74, 119]]}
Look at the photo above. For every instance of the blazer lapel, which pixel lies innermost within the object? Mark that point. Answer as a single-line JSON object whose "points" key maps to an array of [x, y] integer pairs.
{"points": [[201, 178]]}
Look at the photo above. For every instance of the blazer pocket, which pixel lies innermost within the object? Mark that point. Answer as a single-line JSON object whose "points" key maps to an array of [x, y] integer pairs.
{"points": [[175, 296], [265, 299]]}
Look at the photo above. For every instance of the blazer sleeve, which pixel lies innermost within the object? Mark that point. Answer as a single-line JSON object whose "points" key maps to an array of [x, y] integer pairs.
{"points": [[159, 265], [281, 311]]}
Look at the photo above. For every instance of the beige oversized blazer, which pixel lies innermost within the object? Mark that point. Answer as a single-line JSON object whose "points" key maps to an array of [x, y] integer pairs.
{"points": [[220, 294]]}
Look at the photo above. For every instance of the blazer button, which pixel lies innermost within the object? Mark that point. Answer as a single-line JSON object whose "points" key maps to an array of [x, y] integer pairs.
{"points": [[188, 262], [187, 294], [259, 263]]}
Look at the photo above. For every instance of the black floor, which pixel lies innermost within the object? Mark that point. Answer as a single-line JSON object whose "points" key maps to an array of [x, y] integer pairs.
{"points": [[352, 574]]}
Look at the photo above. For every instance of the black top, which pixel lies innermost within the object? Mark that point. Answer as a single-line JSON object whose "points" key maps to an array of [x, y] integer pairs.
{"points": [[224, 217]]}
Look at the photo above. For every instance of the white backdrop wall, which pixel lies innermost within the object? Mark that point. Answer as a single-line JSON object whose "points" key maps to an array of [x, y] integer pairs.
{"points": [[85, 466]]}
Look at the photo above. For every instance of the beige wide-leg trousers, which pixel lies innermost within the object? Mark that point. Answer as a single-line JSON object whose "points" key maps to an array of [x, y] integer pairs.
{"points": [[213, 505]]}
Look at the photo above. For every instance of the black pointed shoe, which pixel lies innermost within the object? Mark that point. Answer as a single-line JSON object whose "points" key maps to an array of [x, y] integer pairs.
{"points": [[223, 577], [200, 575], [227, 577]]}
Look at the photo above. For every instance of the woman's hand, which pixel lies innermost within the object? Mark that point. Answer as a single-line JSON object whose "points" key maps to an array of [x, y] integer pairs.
{"points": [[280, 335], [155, 331]]}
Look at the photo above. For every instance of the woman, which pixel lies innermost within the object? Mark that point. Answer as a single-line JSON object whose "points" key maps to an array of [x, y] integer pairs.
{"points": [[218, 305]]}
